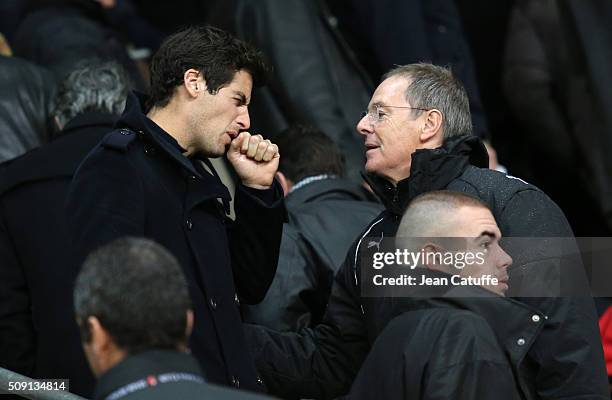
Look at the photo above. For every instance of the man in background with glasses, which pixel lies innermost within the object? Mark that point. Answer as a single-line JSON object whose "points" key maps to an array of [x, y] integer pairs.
{"points": [[417, 137]]}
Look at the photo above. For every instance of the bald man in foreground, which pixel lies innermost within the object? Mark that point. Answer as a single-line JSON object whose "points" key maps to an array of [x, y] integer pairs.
{"points": [[449, 339]]}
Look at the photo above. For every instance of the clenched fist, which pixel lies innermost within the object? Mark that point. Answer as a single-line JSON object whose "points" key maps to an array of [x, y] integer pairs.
{"points": [[254, 159]]}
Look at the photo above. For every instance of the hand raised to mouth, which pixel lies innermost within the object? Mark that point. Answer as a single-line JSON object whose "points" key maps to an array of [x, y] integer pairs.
{"points": [[255, 160]]}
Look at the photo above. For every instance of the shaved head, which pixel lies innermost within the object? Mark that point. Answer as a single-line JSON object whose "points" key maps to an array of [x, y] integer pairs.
{"points": [[436, 214], [444, 221]]}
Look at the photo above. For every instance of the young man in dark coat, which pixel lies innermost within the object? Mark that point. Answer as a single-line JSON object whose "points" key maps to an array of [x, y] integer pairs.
{"points": [[135, 325], [326, 213], [38, 335], [416, 138], [151, 177]]}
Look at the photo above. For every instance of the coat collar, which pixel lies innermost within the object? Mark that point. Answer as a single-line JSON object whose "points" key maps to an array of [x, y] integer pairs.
{"points": [[515, 324], [431, 169], [88, 120], [134, 118], [143, 365], [60, 157], [510, 320]]}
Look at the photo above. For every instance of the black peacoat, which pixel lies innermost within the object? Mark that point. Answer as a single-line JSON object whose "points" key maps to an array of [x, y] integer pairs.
{"points": [[38, 334], [137, 182]]}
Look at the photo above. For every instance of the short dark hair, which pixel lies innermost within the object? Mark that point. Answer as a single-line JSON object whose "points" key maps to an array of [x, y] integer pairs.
{"points": [[216, 54], [307, 151], [137, 291]]}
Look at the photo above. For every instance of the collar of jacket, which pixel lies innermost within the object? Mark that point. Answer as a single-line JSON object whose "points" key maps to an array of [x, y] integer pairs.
{"points": [[134, 118], [431, 169], [87, 120], [510, 319], [338, 187], [142, 365], [61, 156]]}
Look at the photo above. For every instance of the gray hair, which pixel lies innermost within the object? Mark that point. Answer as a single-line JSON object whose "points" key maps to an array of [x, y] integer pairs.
{"points": [[432, 86], [94, 87]]}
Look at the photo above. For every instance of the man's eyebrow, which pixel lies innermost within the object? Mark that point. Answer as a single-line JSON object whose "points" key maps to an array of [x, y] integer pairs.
{"points": [[488, 234], [376, 104]]}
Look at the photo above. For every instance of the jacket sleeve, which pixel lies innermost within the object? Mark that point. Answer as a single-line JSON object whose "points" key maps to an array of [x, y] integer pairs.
{"points": [[105, 201], [17, 334], [320, 362], [255, 240], [294, 299], [568, 352]]}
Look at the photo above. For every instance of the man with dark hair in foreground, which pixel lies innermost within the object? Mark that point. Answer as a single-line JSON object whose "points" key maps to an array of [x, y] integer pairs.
{"points": [[133, 309], [152, 177]]}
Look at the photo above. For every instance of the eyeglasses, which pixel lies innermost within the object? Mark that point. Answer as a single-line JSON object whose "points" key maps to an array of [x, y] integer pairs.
{"points": [[376, 115]]}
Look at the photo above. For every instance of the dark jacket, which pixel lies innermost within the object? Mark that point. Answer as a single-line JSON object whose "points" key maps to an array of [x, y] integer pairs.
{"points": [[564, 361], [26, 92], [325, 217], [161, 374], [137, 182], [38, 333], [448, 342], [588, 98], [555, 110]]}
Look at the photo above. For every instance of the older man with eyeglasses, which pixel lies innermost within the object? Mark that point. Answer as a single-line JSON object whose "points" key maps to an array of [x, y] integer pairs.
{"points": [[417, 138]]}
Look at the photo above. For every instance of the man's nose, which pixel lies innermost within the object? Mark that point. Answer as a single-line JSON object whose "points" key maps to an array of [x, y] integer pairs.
{"points": [[244, 119], [364, 126], [504, 259]]}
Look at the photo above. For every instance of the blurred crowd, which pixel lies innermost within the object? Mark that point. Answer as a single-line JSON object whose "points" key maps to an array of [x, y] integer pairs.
{"points": [[536, 74], [533, 75]]}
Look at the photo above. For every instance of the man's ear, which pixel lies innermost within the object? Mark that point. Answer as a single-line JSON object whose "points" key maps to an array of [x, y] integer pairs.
{"points": [[431, 261], [58, 124], [432, 126], [101, 341], [183, 345], [189, 327], [285, 182], [193, 82]]}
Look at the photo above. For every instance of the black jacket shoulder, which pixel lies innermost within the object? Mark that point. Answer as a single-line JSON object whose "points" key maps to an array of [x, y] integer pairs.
{"points": [[519, 207], [493, 187], [60, 157], [119, 140]]}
